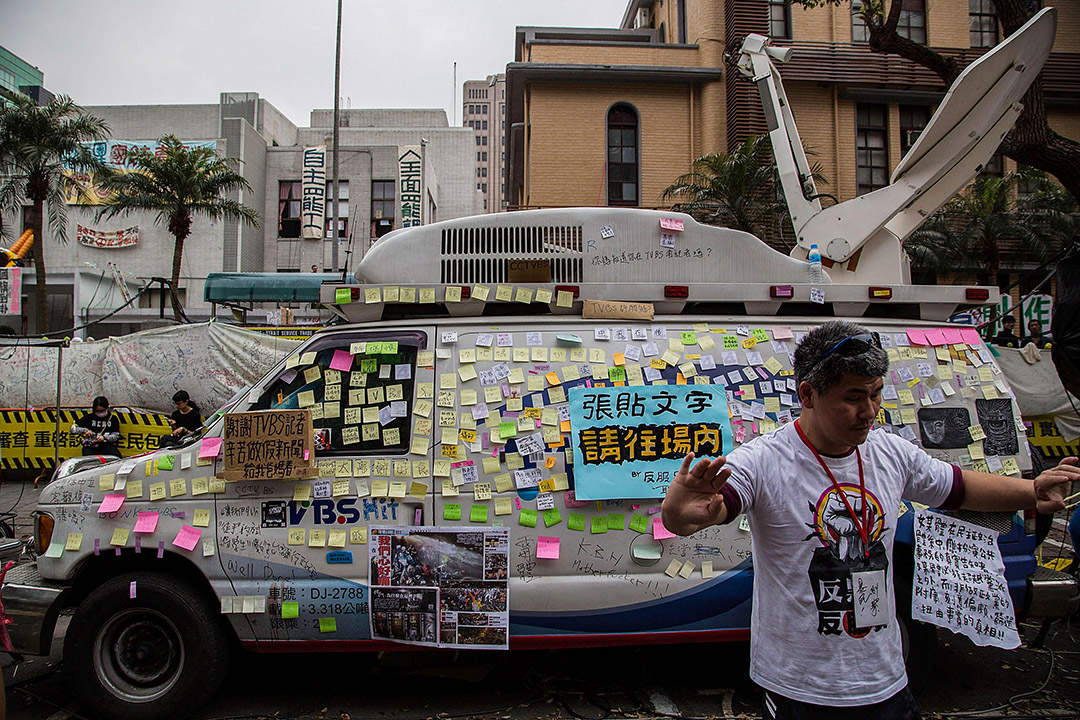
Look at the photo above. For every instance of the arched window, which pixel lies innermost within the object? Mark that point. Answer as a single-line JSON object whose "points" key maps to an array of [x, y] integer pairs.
{"points": [[622, 155]]}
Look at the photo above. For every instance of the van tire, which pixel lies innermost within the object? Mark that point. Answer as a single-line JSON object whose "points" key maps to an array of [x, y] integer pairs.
{"points": [[159, 655]]}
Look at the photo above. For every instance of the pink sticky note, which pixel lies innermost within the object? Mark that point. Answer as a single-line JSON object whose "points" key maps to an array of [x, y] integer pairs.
{"points": [[517, 503], [210, 447], [342, 360], [935, 337], [570, 500], [547, 548], [953, 336], [671, 224], [306, 451], [916, 337], [147, 522], [111, 502], [970, 336], [187, 537], [660, 532]]}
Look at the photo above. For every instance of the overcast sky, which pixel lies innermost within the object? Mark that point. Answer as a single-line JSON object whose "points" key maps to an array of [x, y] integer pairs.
{"points": [[397, 54]]}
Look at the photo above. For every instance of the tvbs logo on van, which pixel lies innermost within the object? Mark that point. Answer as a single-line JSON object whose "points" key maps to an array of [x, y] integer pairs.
{"points": [[324, 511]]}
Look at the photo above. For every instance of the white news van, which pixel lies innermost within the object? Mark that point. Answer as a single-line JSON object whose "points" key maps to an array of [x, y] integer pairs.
{"points": [[442, 507]]}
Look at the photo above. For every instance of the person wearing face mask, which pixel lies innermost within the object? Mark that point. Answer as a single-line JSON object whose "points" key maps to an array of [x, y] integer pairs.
{"points": [[99, 429]]}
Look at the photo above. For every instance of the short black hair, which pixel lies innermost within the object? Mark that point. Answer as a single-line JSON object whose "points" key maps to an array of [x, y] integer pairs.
{"points": [[870, 361], [1008, 320], [101, 401]]}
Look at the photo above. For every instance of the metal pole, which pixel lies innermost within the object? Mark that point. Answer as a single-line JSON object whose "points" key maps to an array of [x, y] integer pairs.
{"points": [[59, 381], [337, 105]]}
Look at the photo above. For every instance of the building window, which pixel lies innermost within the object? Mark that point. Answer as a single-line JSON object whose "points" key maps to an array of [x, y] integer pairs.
{"points": [[913, 118], [682, 22], [982, 23], [859, 31], [483, 187], [912, 21], [383, 206], [779, 19], [484, 139], [871, 143], [484, 125], [483, 156], [483, 172], [477, 157], [343, 208], [622, 144], [477, 139], [289, 209], [477, 172]]}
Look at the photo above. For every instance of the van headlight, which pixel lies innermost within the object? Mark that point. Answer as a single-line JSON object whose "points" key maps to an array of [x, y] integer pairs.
{"points": [[43, 530]]}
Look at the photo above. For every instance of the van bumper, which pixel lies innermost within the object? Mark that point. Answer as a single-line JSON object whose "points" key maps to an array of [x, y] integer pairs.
{"points": [[1052, 594], [33, 605]]}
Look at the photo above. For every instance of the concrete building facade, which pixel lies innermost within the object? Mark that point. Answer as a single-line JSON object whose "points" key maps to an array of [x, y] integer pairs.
{"points": [[84, 279], [483, 108]]}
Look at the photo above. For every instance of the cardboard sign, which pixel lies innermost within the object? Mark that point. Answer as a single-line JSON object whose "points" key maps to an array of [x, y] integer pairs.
{"points": [[617, 310], [269, 445], [528, 271]]}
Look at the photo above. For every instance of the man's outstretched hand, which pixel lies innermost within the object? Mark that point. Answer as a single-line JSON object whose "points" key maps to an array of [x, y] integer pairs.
{"points": [[693, 501]]}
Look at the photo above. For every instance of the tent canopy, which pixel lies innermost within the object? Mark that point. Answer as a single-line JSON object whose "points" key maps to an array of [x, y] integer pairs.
{"points": [[228, 288]]}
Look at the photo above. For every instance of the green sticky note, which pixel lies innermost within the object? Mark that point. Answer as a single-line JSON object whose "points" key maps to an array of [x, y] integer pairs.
{"points": [[290, 609], [369, 365], [616, 521], [478, 513], [327, 625], [689, 338], [451, 511], [731, 342], [760, 335], [342, 296], [576, 521], [527, 518], [552, 517], [599, 524], [639, 523], [507, 429], [616, 374], [165, 462]]}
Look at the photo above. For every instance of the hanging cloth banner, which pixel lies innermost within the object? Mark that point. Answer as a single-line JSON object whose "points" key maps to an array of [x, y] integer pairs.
{"points": [[313, 197], [127, 237]]}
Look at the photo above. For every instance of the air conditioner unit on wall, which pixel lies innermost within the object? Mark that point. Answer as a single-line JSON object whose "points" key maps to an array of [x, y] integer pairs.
{"points": [[642, 19]]}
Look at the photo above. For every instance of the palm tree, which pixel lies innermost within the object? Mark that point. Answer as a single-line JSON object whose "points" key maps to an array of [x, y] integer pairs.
{"points": [[740, 190], [179, 183], [968, 234], [42, 148]]}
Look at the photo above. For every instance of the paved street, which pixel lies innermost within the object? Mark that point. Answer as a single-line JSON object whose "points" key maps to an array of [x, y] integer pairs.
{"points": [[686, 681]]}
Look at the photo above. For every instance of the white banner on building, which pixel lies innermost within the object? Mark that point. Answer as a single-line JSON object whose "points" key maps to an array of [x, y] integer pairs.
{"points": [[410, 185], [11, 291], [107, 239], [313, 189]]}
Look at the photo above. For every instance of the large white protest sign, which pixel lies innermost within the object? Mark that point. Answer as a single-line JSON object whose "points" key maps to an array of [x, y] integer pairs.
{"points": [[960, 580]]}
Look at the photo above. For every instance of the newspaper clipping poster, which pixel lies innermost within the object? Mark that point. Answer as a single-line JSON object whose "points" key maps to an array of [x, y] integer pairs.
{"points": [[442, 587]]}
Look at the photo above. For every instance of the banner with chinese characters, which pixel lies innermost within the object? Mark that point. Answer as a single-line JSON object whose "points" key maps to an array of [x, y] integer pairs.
{"points": [[442, 587], [313, 193], [107, 239], [11, 291], [629, 441], [410, 185], [116, 154]]}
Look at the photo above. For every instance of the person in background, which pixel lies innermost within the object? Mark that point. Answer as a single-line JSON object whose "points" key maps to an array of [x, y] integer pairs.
{"points": [[99, 429], [1007, 338], [185, 420], [1036, 336], [314, 268]]}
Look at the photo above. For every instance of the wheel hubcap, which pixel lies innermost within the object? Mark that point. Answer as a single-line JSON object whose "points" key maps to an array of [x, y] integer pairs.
{"points": [[139, 655]]}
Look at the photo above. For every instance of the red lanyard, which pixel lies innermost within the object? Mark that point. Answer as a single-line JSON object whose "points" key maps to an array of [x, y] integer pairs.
{"points": [[861, 526]]}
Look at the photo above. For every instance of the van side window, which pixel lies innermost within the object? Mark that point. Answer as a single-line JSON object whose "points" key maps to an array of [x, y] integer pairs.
{"points": [[359, 387]]}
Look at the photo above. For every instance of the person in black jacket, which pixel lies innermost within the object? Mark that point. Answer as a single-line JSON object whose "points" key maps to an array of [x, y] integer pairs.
{"points": [[99, 429], [1006, 338], [185, 420]]}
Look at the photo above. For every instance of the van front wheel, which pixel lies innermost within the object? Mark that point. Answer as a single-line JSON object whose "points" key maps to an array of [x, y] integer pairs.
{"points": [[145, 646]]}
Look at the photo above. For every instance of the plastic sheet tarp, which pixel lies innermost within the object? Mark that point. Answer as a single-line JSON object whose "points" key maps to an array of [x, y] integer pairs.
{"points": [[1039, 391], [211, 361]]}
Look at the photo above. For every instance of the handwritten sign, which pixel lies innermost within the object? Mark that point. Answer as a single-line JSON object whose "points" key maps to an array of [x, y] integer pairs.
{"points": [[617, 310], [269, 445], [960, 580], [628, 442], [671, 224]]}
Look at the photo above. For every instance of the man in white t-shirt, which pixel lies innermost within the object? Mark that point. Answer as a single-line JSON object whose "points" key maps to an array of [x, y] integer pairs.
{"points": [[822, 496]]}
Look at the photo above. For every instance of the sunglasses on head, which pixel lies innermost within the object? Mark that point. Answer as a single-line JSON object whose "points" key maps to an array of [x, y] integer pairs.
{"points": [[861, 343]]}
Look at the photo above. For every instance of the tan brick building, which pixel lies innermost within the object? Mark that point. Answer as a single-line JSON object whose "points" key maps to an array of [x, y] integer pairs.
{"points": [[612, 116]]}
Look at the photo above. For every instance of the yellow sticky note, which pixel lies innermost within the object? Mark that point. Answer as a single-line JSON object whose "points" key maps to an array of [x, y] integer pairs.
{"points": [[543, 295], [106, 482], [453, 293], [177, 486], [480, 292], [524, 295], [503, 293], [297, 536], [201, 518], [372, 295], [317, 538], [564, 298], [427, 295], [301, 492], [74, 541], [358, 535], [157, 491], [504, 505], [337, 538], [119, 537]]}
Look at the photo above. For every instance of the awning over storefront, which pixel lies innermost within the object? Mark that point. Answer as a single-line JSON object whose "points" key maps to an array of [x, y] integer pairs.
{"points": [[230, 288]]}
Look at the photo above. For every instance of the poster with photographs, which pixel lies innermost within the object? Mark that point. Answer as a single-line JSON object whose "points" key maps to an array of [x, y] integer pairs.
{"points": [[443, 587]]}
